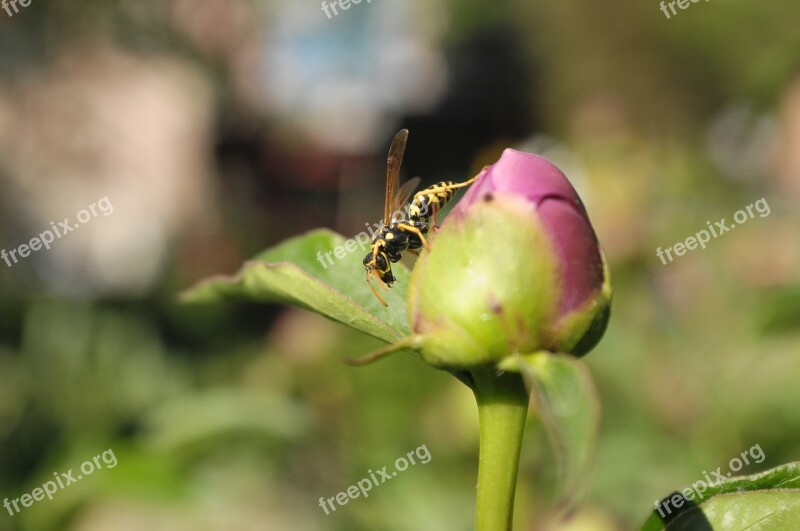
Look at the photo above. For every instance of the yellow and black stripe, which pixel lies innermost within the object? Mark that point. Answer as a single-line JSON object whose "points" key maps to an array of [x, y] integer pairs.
{"points": [[428, 202]]}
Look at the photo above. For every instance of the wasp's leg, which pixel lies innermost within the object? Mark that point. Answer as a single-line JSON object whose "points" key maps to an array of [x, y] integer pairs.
{"points": [[450, 187], [413, 241], [414, 230], [454, 186]]}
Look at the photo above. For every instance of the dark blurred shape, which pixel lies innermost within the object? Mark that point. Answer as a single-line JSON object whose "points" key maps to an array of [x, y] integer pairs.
{"points": [[488, 101], [687, 517]]}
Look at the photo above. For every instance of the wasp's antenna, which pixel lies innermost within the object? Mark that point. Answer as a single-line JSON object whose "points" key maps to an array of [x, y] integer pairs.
{"points": [[374, 291], [381, 284]]}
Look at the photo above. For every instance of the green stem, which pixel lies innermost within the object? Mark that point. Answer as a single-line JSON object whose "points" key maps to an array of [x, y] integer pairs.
{"points": [[502, 408]]}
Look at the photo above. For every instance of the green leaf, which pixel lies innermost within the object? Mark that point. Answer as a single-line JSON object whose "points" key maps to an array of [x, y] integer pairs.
{"points": [[566, 401], [292, 273], [765, 501]]}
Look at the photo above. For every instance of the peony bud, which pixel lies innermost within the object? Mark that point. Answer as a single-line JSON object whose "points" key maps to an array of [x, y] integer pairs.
{"points": [[515, 269]]}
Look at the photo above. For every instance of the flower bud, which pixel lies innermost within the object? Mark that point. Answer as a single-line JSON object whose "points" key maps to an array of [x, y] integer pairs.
{"points": [[515, 269]]}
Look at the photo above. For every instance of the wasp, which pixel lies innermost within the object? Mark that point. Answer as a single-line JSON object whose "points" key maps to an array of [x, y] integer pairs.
{"points": [[397, 234]]}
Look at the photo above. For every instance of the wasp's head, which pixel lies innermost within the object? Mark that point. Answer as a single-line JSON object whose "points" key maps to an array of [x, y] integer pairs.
{"points": [[377, 263]]}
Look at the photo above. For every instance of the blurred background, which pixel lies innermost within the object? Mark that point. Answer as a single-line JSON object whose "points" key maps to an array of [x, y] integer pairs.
{"points": [[217, 128]]}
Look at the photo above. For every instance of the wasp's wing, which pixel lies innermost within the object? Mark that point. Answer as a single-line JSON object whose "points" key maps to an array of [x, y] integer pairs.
{"points": [[393, 162], [404, 193]]}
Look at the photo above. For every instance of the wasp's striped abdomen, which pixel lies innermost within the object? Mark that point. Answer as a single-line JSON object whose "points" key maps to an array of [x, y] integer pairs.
{"points": [[430, 200]]}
